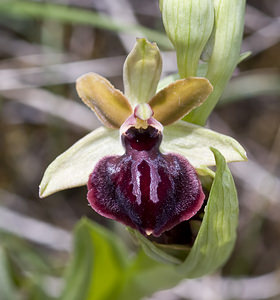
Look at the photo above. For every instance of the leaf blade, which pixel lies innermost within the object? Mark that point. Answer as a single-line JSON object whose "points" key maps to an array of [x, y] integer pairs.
{"points": [[8, 288], [152, 250], [97, 267], [217, 233]]}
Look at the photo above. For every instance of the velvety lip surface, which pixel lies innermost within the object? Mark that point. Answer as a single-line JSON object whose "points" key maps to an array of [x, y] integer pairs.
{"points": [[145, 189]]}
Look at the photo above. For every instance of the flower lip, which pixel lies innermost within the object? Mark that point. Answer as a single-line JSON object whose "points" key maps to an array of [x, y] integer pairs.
{"points": [[145, 189]]}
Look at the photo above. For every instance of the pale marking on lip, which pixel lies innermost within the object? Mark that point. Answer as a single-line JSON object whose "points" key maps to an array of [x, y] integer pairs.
{"points": [[155, 180], [154, 175], [135, 174]]}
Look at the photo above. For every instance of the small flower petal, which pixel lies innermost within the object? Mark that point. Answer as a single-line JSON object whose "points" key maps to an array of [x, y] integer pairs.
{"points": [[141, 72], [194, 142], [179, 98], [108, 103], [73, 167], [217, 234]]}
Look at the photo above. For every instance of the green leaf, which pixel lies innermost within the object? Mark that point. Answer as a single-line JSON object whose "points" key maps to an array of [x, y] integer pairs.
{"points": [[8, 288], [24, 255], [146, 276], [73, 167], [188, 24], [97, 267], [142, 70], [36, 286], [67, 14], [153, 251], [26, 267], [102, 269], [194, 143], [217, 233], [244, 56]]}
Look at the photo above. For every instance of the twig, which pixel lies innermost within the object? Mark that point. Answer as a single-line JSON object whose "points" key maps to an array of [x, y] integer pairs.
{"points": [[218, 288], [268, 35], [68, 72], [126, 15], [35, 230], [256, 19], [55, 105]]}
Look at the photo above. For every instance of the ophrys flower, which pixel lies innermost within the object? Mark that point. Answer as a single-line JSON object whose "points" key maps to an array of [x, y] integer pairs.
{"points": [[152, 186]]}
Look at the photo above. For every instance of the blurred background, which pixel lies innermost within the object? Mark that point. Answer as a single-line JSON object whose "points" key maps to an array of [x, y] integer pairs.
{"points": [[43, 49]]}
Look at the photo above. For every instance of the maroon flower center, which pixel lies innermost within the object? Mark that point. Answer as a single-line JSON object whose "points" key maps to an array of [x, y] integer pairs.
{"points": [[142, 139]]}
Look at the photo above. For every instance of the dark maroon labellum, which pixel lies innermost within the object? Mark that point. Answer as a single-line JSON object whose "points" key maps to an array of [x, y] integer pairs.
{"points": [[145, 189]]}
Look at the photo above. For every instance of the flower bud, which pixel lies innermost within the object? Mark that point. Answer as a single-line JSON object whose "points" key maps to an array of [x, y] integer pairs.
{"points": [[224, 54], [188, 24]]}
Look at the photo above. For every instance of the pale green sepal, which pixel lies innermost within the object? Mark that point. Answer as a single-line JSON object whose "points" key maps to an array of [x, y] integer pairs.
{"points": [[97, 267], [225, 55], [73, 167], [194, 143], [217, 233], [188, 24], [141, 72]]}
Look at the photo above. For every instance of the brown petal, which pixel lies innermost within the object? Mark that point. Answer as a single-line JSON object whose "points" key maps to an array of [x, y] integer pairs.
{"points": [[179, 98], [108, 103]]}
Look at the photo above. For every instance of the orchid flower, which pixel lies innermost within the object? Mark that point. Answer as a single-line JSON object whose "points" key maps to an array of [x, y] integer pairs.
{"points": [[141, 168]]}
